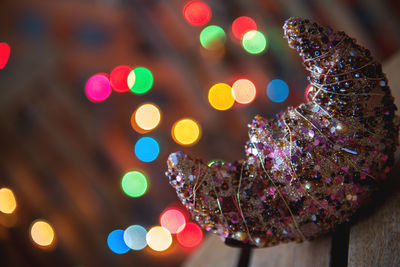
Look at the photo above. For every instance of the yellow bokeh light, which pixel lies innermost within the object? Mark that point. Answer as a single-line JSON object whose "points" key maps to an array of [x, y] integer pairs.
{"points": [[159, 238], [7, 201], [243, 91], [147, 117], [186, 132], [42, 233], [220, 96], [131, 79]]}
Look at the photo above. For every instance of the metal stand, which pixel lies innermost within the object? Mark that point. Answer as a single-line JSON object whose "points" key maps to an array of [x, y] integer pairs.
{"points": [[244, 258]]}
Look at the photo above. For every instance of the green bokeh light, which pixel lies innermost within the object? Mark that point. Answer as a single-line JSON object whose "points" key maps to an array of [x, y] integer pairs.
{"points": [[134, 184], [254, 42], [143, 80], [212, 37]]}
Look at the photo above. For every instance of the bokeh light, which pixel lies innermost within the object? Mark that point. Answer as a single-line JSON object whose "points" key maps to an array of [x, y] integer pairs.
{"points": [[277, 90], [4, 54], [243, 91], [135, 237], [242, 25], [190, 236], [197, 13], [98, 88], [186, 132], [173, 220], [254, 42], [134, 183], [146, 117], [116, 243], [143, 80], [42, 233], [119, 78], [131, 79], [158, 238], [7, 201], [220, 96], [212, 37], [147, 149]]}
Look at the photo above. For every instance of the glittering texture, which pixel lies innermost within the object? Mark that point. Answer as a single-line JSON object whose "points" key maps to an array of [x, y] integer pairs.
{"points": [[309, 168]]}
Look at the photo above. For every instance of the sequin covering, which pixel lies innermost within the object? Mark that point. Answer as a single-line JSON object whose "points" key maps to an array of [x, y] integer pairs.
{"points": [[309, 168]]}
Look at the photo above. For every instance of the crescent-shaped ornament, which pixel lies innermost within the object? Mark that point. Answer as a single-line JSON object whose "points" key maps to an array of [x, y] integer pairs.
{"points": [[309, 168]]}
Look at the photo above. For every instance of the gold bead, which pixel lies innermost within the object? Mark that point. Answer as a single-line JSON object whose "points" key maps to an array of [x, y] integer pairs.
{"points": [[240, 236]]}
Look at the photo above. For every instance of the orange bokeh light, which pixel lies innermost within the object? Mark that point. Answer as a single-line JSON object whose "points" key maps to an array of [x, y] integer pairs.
{"points": [[146, 118], [244, 91], [42, 233], [158, 238]]}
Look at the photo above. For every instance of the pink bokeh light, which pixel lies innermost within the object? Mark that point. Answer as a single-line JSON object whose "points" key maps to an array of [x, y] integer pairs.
{"points": [[173, 220], [98, 88]]}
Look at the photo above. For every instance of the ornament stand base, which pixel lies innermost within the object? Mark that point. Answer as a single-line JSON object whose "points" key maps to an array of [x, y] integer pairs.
{"points": [[244, 257]]}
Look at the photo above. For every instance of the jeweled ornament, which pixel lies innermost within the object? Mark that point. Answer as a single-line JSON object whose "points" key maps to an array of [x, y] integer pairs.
{"points": [[312, 166]]}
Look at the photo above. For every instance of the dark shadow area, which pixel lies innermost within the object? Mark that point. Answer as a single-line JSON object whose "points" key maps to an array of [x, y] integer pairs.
{"points": [[244, 257]]}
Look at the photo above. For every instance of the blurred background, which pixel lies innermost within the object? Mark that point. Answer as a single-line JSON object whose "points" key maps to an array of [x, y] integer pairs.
{"points": [[82, 159]]}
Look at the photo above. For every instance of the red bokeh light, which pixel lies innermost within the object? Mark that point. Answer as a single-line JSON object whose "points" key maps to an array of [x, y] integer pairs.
{"points": [[173, 220], [241, 25], [190, 236], [119, 78], [98, 88], [197, 13], [4, 54]]}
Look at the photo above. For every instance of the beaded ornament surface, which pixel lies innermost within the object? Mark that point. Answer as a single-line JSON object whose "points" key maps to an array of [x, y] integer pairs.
{"points": [[309, 168]]}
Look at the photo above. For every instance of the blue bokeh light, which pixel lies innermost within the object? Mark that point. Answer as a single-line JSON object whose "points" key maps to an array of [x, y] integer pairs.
{"points": [[147, 149], [116, 243], [135, 237], [277, 90]]}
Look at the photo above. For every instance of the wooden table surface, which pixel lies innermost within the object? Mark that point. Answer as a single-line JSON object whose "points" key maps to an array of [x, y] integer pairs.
{"points": [[372, 240]]}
